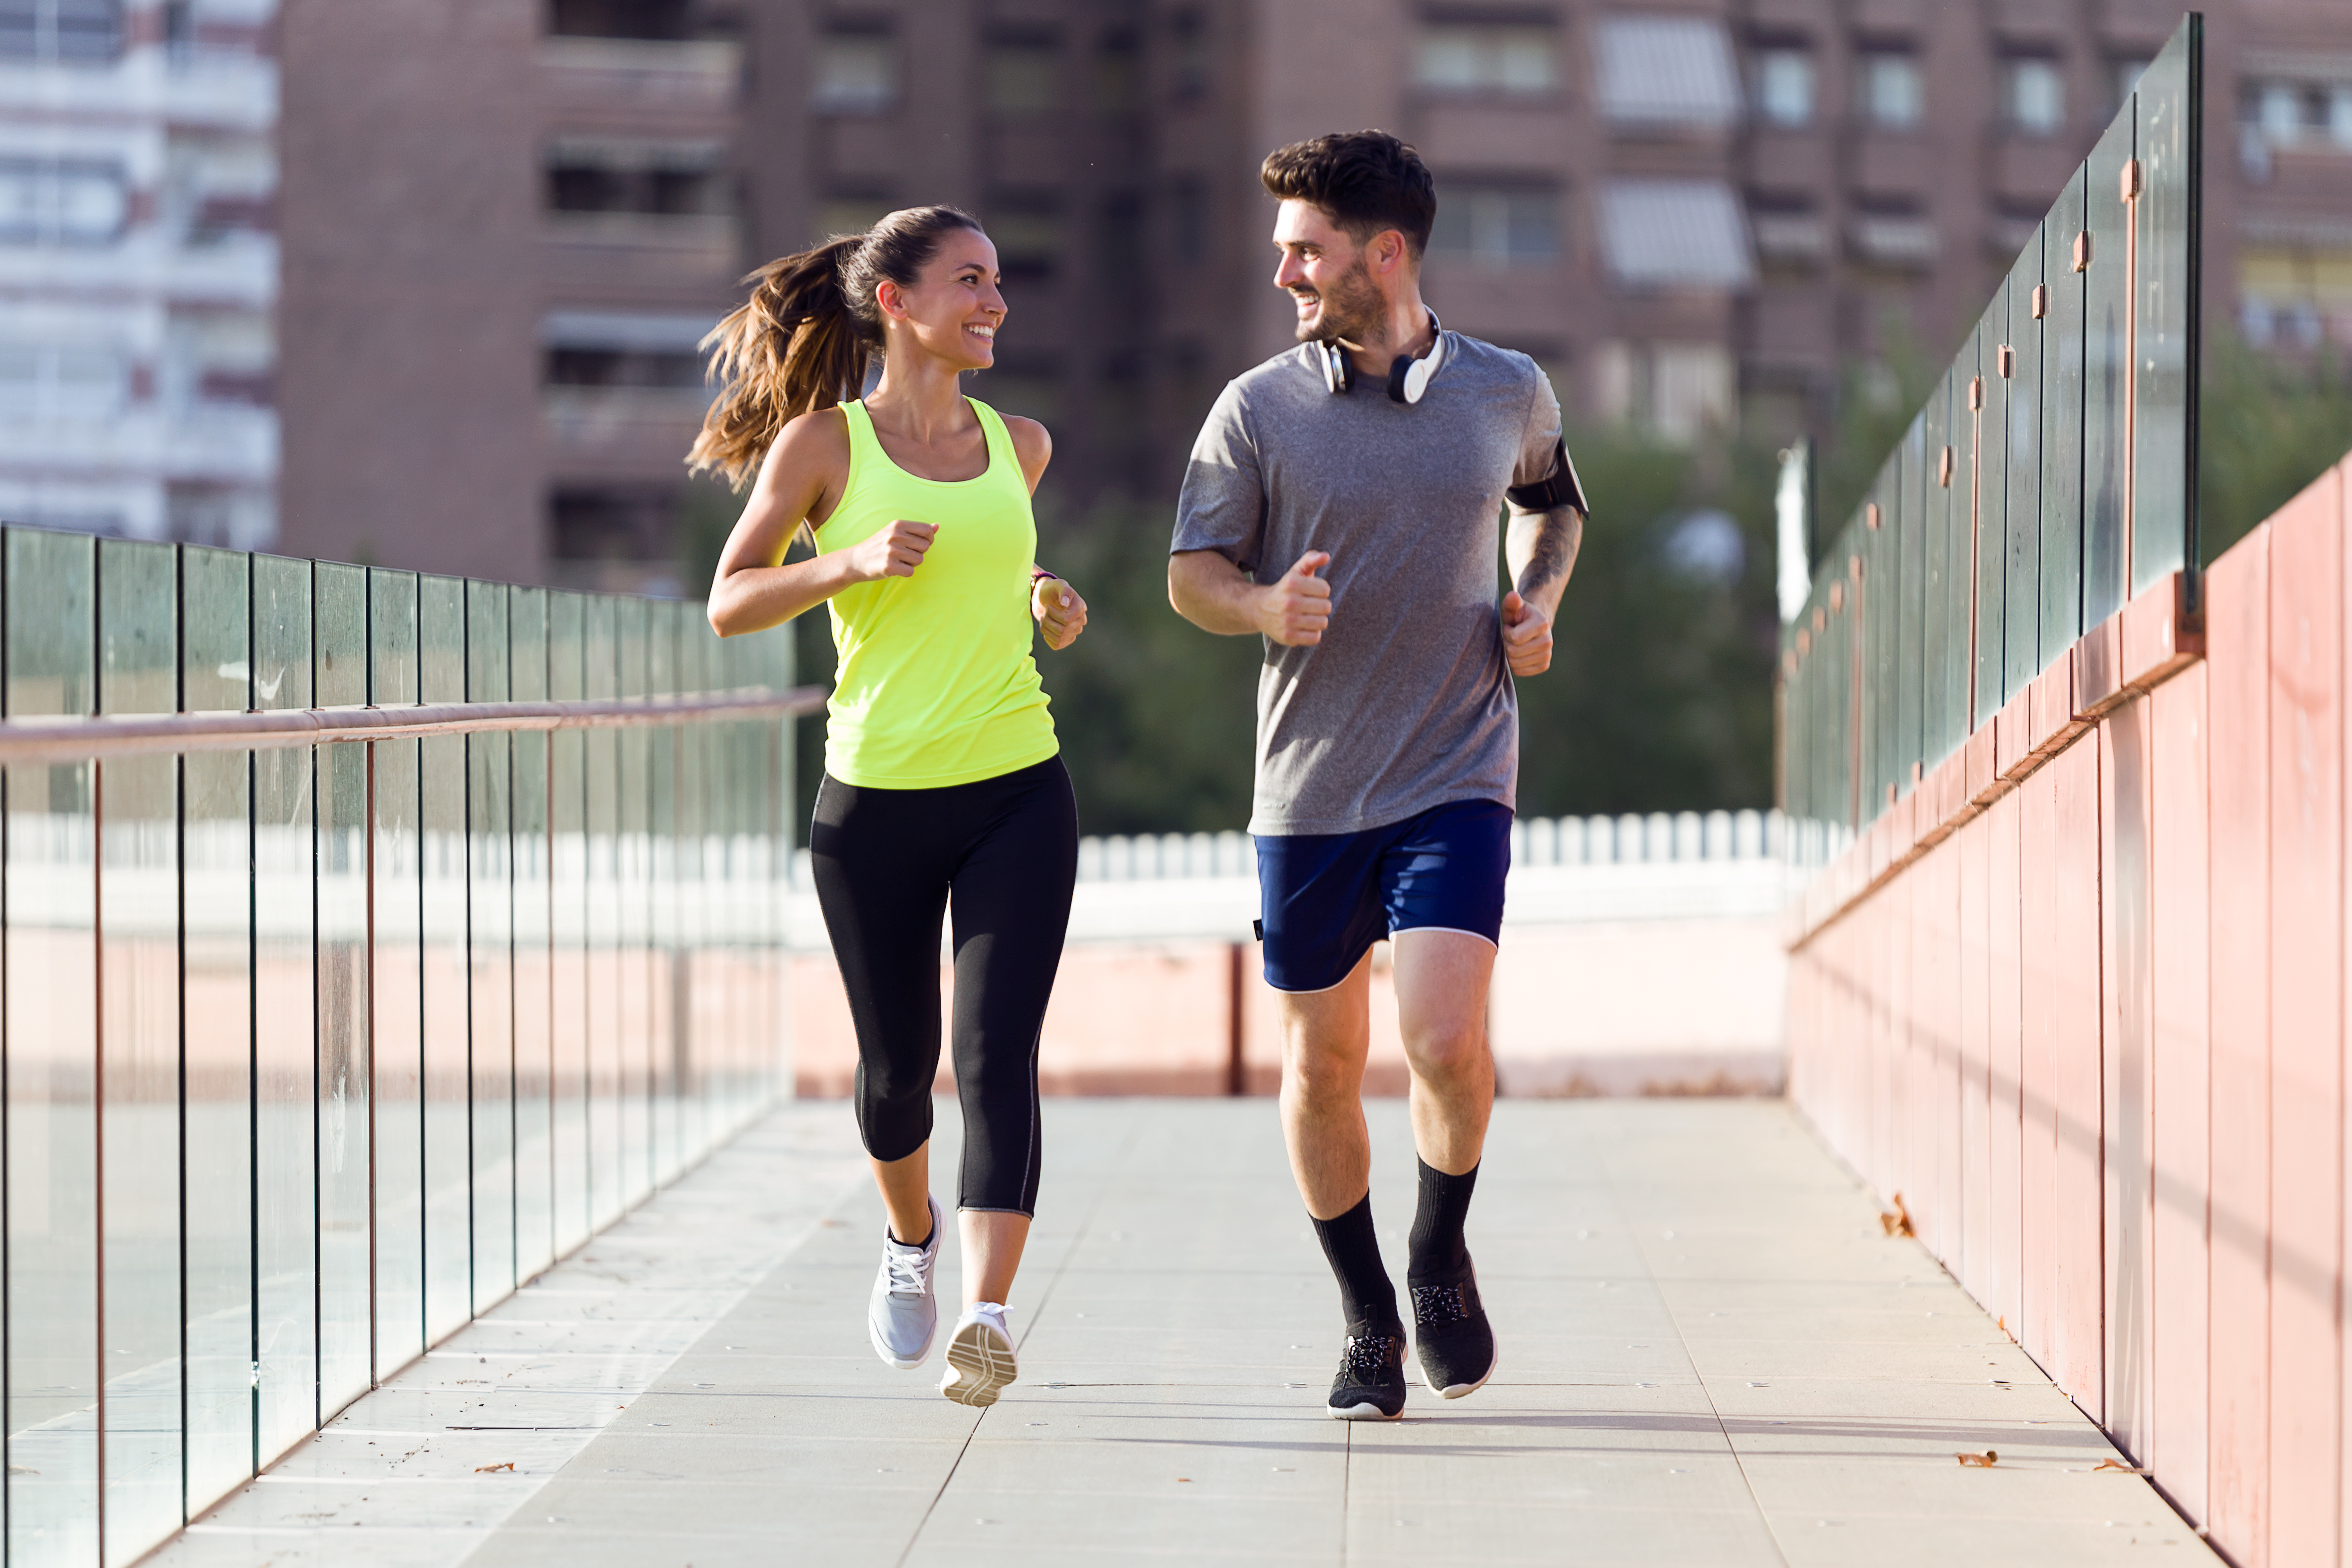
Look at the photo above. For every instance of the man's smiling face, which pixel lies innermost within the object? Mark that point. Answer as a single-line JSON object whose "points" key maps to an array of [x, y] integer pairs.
{"points": [[1323, 271]]}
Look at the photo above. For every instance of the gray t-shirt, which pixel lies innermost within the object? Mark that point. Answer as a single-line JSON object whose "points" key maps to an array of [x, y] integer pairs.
{"points": [[1406, 703]]}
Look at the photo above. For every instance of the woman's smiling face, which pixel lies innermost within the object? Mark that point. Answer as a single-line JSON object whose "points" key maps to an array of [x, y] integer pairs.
{"points": [[953, 308]]}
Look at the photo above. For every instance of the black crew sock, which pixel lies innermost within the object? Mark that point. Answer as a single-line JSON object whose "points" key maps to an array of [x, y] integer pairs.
{"points": [[1366, 1294], [1438, 1255]]}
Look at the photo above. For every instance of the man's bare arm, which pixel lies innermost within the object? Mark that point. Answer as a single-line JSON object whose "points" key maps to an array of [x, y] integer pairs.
{"points": [[1218, 596], [1542, 553]]}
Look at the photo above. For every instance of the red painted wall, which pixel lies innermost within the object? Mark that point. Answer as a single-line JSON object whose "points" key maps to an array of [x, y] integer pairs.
{"points": [[2091, 1026]]}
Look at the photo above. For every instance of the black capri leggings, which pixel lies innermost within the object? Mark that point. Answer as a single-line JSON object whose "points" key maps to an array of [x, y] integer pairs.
{"points": [[885, 862]]}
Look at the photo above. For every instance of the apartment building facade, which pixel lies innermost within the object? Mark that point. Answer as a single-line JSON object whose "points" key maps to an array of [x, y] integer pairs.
{"points": [[508, 222], [139, 268]]}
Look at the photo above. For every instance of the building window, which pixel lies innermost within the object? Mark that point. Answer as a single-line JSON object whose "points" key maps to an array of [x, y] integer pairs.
{"points": [[1892, 93], [1487, 57], [1678, 391], [1789, 228], [850, 213], [1118, 72], [61, 204], [656, 20], [66, 30], [50, 383], [2034, 95], [1024, 74], [1188, 219], [1027, 228], [1675, 234], [628, 175], [1666, 71], [1784, 85], [856, 71], [2300, 113], [1188, 55], [1496, 225]]}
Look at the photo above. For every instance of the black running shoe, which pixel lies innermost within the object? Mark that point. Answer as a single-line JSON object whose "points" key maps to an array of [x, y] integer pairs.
{"points": [[1450, 1332], [1370, 1383]]}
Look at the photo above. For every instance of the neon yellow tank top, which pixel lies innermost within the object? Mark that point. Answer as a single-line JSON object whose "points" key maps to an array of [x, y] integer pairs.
{"points": [[935, 683]]}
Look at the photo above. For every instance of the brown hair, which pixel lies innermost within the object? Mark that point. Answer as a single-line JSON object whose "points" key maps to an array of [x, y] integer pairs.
{"points": [[1365, 181], [802, 341]]}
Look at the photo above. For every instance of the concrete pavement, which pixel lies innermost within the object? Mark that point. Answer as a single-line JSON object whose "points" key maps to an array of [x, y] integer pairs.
{"points": [[1711, 1355]]}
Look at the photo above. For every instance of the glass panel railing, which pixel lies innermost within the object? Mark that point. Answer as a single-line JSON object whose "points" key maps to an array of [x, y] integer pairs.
{"points": [[2047, 478], [304, 1028]]}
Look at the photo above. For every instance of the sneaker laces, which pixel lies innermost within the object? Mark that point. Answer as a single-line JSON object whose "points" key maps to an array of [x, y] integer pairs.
{"points": [[905, 1265], [1367, 1357], [1440, 1306]]}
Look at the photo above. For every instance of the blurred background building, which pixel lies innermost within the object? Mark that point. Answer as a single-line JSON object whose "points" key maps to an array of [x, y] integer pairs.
{"points": [[139, 268], [505, 224]]}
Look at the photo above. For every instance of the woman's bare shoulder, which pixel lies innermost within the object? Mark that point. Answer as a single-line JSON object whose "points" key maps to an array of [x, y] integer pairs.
{"points": [[1033, 444]]}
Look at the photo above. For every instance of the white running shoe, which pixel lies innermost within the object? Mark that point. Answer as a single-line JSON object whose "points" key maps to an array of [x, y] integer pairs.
{"points": [[902, 1316], [980, 1356]]}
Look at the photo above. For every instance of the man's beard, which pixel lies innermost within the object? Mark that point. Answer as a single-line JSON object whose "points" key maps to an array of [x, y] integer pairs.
{"points": [[1351, 309]]}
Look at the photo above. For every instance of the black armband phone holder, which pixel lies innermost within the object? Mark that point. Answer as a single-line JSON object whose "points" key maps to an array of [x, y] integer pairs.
{"points": [[1559, 488]]}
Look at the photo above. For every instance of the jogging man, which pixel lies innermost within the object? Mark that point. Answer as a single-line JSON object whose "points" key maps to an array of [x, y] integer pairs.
{"points": [[1343, 501]]}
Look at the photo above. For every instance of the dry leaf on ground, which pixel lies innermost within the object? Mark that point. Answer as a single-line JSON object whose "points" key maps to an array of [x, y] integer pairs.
{"points": [[486, 1469], [1985, 1460], [1899, 1222], [2118, 1467]]}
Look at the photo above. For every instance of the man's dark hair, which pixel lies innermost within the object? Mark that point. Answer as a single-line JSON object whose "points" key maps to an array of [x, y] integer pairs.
{"points": [[1366, 181]]}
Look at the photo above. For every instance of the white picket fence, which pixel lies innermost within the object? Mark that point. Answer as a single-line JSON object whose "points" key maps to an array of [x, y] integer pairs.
{"points": [[1631, 840]]}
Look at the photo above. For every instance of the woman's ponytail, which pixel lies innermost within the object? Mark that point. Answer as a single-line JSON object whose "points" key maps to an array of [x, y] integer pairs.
{"points": [[802, 341]]}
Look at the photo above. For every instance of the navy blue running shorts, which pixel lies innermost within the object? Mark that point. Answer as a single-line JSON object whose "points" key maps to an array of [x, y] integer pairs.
{"points": [[1327, 896]]}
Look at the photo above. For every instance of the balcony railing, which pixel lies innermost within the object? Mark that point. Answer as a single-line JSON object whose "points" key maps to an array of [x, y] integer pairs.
{"points": [[371, 941]]}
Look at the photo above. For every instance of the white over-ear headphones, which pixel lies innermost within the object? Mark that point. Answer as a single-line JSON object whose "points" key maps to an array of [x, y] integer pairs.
{"points": [[1408, 378]]}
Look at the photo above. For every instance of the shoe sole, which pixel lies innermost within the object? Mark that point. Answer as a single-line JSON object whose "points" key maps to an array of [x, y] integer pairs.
{"points": [[982, 1363], [1367, 1412], [890, 1357]]}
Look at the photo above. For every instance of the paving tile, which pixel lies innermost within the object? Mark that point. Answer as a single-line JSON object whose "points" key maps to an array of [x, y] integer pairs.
{"points": [[1711, 1355]]}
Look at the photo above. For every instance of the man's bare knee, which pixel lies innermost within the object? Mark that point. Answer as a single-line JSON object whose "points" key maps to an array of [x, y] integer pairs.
{"points": [[1441, 1057]]}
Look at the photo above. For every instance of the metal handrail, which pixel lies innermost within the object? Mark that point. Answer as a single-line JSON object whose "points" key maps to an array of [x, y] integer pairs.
{"points": [[45, 740]]}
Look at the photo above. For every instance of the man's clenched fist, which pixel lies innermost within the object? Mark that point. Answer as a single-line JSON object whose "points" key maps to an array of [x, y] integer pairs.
{"points": [[1294, 609], [1527, 636]]}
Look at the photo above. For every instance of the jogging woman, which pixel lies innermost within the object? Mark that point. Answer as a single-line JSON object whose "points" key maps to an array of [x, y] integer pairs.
{"points": [[943, 774]]}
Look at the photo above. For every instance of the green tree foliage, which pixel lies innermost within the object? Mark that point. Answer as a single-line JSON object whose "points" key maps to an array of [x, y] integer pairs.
{"points": [[2270, 428]]}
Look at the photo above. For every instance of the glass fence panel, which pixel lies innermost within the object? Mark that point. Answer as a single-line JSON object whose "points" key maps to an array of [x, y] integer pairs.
{"points": [[140, 1191], [534, 1076], [51, 1283], [661, 888], [1909, 521], [2023, 655], [489, 948], [346, 1129], [604, 1027], [396, 879], [2164, 487], [1959, 520], [286, 1040], [631, 887], [688, 924], [215, 674], [569, 970], [441, 764], [2062, 439], [1943, 637], [2106, 371], [1988, 497], [1883, 576]]}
